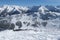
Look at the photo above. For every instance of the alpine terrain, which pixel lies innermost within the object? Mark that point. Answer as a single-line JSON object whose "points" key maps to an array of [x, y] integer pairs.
{"points": [[29, 23]]}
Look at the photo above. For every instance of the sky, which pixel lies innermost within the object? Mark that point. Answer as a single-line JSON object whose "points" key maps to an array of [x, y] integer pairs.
{"points": [[29, 2]]}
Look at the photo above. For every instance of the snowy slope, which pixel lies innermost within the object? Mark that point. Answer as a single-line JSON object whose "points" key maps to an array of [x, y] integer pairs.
{"points": [[29, 23]]}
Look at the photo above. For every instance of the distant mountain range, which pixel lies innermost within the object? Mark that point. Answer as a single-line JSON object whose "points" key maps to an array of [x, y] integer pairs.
{"points": [[12, 9]]}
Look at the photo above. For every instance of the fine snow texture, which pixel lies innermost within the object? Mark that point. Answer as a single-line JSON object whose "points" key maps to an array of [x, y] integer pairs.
{"points": [[29, 23]]}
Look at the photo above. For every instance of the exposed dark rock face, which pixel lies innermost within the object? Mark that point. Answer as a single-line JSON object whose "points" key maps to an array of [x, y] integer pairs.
{"points": [[4, 24], [19, 23], [44, 23], [12, 26], [36, 24], [28, 24], [24, 22]]}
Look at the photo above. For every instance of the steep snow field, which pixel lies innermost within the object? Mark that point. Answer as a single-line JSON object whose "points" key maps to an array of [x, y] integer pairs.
{"points": [[29, 23]]}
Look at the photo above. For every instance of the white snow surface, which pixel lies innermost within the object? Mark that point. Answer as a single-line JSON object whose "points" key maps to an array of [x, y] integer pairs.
{"points": [[42, 34], [43, 24]]}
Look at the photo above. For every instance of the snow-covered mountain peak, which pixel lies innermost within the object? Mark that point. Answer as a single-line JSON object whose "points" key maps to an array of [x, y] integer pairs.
{"points": [[14, 6], [12, 9], [43, 9]]}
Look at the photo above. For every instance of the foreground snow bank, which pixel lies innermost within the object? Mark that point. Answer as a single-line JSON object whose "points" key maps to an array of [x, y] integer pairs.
{"points": [[42, 34]]}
